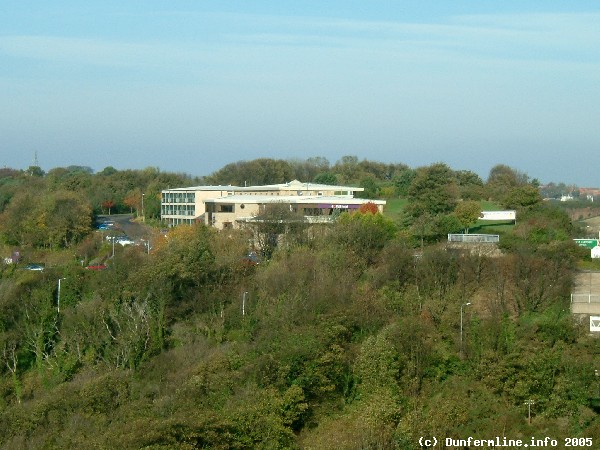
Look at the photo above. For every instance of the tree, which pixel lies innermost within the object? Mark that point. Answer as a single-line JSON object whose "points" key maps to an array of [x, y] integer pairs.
{"points": [[364, 234], [433, 191], [371, 189], [403, 180], [275, 222], [108, 204], [255, 172], [18, 224], [467, 213], [68, 218], [347, 168], [368, 208], [503, 178], [326, 178], [35, 171], [133, 200], [470, 185], [524, 196]]}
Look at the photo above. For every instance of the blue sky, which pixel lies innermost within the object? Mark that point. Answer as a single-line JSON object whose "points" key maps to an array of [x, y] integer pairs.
{"points": [[190, 86]]}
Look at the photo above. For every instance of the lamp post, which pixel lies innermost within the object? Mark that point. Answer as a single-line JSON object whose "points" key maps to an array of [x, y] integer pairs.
{"points": [[143, 214], [529, 403], [58, 296], [461, 326], [244, 303]]}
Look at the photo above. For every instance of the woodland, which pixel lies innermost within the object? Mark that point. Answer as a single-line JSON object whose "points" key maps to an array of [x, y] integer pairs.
{"points": [[367, 333]]}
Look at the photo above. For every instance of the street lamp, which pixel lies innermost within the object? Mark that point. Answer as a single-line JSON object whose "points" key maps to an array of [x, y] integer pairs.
{"points": [[529, 403], [461, 326], [143, 214], [58, 296], [244, 303]]}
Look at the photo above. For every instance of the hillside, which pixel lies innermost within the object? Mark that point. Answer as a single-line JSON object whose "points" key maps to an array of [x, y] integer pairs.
{"points": [[365, 333]]}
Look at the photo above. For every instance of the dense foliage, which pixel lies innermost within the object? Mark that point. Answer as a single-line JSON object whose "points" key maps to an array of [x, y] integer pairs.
{"points": [[345, 335]]}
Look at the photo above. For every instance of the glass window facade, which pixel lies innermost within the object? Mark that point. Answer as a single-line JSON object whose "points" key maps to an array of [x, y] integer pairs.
{"points": [[179, 197], [177, 210]]}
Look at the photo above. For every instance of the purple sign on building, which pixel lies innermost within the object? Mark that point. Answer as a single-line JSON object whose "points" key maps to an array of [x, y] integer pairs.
{"points": [[337, 206]]}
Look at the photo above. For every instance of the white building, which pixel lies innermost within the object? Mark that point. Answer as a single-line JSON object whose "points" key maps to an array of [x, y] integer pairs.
{"points": [[230, 206]]}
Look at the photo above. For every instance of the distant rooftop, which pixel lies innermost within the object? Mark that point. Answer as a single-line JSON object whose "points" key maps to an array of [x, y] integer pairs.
{"points": [[293, 185]]}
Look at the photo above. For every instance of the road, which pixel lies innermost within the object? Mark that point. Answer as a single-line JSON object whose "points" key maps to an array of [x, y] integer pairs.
{"points": [[125, 225]]}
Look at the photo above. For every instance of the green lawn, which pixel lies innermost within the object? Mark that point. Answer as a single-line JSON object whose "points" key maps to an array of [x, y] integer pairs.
{"points": [[394, 207]]}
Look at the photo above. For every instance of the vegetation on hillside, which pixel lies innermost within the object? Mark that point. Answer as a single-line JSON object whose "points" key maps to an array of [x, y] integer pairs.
{"points": [[366, 333]]}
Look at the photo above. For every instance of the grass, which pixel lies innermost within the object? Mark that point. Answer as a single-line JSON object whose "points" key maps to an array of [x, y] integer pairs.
{"points": [[394, 207], [589, 264]]}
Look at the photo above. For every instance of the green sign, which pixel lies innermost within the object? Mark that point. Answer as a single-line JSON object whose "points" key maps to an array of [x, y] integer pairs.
{"points": [[587, 243]]}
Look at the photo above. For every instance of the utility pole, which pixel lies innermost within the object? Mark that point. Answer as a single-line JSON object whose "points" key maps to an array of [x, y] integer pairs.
{"points": [[529, 403], [58, 296], [461, 327], [244, 303]]}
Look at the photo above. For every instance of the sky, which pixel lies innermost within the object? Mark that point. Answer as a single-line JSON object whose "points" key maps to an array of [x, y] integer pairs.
{"points": [[190, 86]]}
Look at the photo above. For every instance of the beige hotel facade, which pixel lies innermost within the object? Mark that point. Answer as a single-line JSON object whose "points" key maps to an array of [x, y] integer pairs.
{"points": [[231, 206]]}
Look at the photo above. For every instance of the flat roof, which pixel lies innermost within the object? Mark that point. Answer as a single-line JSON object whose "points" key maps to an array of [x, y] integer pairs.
{"points": [[293, 185], [206, 188], [293, 199]]}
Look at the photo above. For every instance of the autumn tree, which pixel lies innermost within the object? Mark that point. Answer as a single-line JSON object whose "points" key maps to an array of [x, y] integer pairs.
{"points": [[368, 208], [133, 200], [108, 204]]}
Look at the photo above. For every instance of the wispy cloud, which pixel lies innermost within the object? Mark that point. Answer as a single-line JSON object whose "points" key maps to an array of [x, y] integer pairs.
{"points": [[558, 37], [98, 51]]}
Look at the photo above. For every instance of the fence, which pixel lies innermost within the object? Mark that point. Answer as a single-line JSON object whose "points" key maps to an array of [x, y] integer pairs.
{"points": [[486, 238], [585, 298]]}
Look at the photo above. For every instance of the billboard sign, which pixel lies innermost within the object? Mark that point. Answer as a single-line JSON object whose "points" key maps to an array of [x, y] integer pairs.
{"points": [[498, 215], [337, 206], [587, 243]]}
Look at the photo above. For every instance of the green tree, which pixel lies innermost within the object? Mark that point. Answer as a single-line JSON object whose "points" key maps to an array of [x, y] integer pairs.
{"points": [[252, 173], [502, 179], [326, 178], [470, 185], [468, 212], [433, 191], [403, 180], [364, 234], [67, 218], [520, 197], [371, 189]]}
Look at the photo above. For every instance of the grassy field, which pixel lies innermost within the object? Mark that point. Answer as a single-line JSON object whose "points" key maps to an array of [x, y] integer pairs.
{"points": [[395, 207]]}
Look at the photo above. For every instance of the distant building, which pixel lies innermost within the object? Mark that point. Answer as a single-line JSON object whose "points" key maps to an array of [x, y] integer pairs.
{"points": [[566, 198], [231, 206]]}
